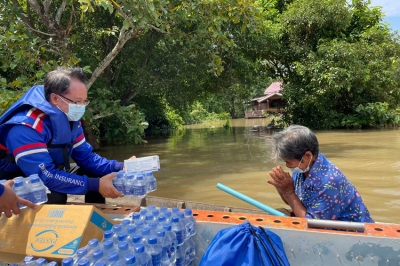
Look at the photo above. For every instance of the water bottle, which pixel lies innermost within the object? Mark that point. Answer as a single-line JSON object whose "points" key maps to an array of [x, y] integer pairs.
{"points": [[161, 221], [20, 189], [151, 181], [145, 235], [119, 181], [140, 225], [142, 258], [190, 223], [165, 246], [100, 263], [92, 245], [192, 249], [107, 235], [52, 263], [163, 209], [151, 208], [113, 258], [153, 228], [38, 191], [136, 239], [180, 257], [143, 213], [182, 221], [128, 260], [175, 211], [122, 237], [171, 238], [149, 218], [116, 230], [29, 259], [155, 250], [168, 214], [108, 247], [130, 230], [84, 262], [136, 217], [123, 248], [139, 187], [155, 213], [125, 223], [67, 262], [129, 181], [40, 262], [96, 256], [178, 230], [80, 253]]}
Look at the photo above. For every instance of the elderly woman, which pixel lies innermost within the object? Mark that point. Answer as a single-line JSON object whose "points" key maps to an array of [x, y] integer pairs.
{"points": [[317, 188]]}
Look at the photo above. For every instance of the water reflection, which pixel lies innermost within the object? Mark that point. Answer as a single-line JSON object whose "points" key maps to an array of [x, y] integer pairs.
{"points": [[194, 160]]}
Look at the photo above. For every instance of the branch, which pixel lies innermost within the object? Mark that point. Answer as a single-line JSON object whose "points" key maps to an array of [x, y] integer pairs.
{"points": [[114, 52], [110, 114], [60, 11], [41, 32], [23, 16], [122, 13], [46, 6]]}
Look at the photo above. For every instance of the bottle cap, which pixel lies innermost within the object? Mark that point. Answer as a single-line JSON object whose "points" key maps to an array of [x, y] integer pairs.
{"points": [[139, 248], [152, 240]]}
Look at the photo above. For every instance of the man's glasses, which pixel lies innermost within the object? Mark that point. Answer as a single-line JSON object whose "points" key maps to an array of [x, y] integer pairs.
{"points": [[85, 103]]}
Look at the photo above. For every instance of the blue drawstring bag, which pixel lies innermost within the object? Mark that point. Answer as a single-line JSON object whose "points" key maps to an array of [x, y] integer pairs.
{"points": [[245, 244]]}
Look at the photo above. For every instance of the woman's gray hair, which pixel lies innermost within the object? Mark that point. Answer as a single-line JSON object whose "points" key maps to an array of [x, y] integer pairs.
{"points": [[293, 143], [57, 81]]}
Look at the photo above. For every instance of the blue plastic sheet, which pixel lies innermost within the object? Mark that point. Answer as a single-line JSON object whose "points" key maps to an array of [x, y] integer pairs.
{"points": [[245, 244]]}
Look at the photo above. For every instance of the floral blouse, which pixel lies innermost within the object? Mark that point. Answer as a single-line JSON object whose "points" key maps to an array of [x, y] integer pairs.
{"points": [[327, 194]]}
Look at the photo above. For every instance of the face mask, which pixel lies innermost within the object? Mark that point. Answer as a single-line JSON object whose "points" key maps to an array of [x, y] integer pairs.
{"points": [[297, 169], [75, 112]]}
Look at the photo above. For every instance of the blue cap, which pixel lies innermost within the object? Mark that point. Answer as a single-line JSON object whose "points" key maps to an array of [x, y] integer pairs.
{"points": [[149, 173], [143, 211], [81, 252], [93, 243], [168, 214], [35, 180], [121, 174], [149, 217], [97, 254], [51, 263], [108, 244], [160, 233], [139, 248], [83, 262], [122, 236], [100, 263], [139, 223], [156, 212], [67, 261], [146, 231], [188, 211], [131, 229], [19, 184], [117, 228], [163, 209], [125, 222], [136, 239], [175, 220], [40, 261], [123, 245], [152, 240], [181, 215], [153, 225], [151, 207], [113, 256], [136, 216], [161, 219], [167, 227], [139, 177], [107, 234], [175, 210], [130, 258]]}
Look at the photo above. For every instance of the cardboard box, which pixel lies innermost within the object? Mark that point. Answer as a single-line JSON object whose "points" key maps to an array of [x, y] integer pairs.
{"points": [[53, 232]]}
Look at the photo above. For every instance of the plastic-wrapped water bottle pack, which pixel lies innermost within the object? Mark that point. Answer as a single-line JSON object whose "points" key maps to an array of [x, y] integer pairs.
{"points": [[136, 184], [30, 188]]}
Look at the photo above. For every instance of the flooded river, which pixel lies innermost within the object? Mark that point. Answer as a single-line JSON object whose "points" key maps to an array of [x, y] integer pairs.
{"points": [[195, 160]]}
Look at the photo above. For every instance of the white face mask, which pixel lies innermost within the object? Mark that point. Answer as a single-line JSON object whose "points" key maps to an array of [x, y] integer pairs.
{"points": [[75, 111], [297, 169]]}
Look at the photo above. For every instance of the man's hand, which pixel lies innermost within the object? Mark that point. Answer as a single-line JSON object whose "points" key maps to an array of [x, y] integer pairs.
{"points": [[282, 181], [9, 201], [106, 187]]}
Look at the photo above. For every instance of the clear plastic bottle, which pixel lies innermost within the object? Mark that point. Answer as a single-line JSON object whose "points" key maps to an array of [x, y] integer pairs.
{"points": [[107, 235], [180, 257], [136, 239], [178, 230], [20, 189], [40, 262], [168, 214], [163, 209], [175, 211], [142, 258], [139, 186], [192, 249], [80, 253], [52, 263], [136, 217], [161, 221], [129, 182], [119, 181], [155, 213], [155, 250], [67, 262], [108, 247], [38, 191], [190, 223], [140, 225], [84, 262], [123, 248], [96, 256], [153, 228], [151, 182], [113, 258], [128, 260], [122, 237], [125, 223], [171, 238], [117, 229], [145, 235], [143, 213], [149, 218], [130, 230], [182, 220], [165, 246]]}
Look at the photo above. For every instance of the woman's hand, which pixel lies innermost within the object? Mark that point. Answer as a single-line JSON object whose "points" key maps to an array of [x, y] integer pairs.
{"points": [[282, 181]]}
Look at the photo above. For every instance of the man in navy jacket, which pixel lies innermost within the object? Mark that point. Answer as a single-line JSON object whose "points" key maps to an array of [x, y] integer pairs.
{"points": [[42, 130]]}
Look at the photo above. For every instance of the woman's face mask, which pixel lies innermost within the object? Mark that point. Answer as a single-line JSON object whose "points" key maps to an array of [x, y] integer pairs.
{"points": [[297, 169]]}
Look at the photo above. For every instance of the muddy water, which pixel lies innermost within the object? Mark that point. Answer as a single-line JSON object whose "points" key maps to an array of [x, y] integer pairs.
{"points": [[195, 160]]}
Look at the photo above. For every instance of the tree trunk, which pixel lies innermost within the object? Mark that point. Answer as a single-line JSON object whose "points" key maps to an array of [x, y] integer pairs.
{"points": [[90, 136]]}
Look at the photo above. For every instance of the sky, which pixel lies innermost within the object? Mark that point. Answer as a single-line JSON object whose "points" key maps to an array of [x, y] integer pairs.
{"points": [[392, 10]]}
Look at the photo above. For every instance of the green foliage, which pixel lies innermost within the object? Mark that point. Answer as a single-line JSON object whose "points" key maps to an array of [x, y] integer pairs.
{"points": [[372, 115], [199, 114]]}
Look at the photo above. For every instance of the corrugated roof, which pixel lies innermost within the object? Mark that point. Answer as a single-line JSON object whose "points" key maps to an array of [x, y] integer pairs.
{"points": [[274, 88], [262, 99]]}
